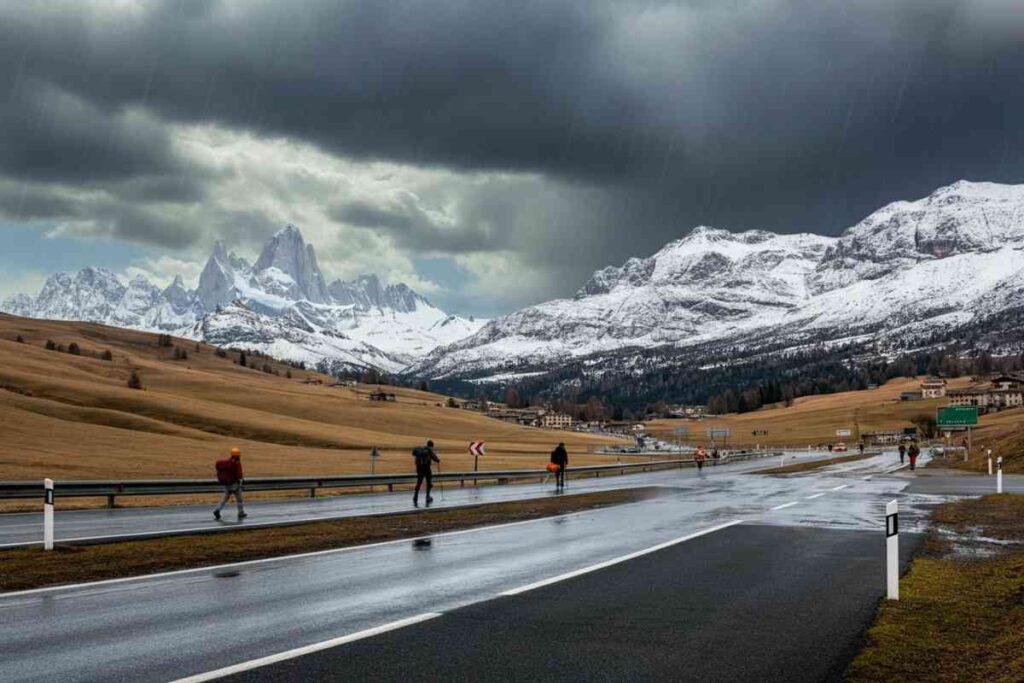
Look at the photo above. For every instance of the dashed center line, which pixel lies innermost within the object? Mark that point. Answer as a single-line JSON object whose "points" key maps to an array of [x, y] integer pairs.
{"points": [[786, 505], [816, 495], [840, 488]]}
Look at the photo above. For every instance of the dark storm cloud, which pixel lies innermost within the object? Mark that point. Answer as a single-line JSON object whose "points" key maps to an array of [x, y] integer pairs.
{"points": [[651, 116], [412, 227]]}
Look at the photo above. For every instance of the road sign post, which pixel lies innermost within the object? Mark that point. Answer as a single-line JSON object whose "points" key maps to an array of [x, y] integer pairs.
{"points": [[374, 454], [48, 514], [476, 449], [682, 433], [892, 550]]}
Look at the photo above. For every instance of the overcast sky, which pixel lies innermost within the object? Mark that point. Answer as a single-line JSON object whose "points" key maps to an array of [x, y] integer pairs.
{"points": [[490, 154]]}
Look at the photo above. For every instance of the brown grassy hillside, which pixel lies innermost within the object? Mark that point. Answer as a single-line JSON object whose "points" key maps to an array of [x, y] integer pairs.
{"points": [[815, 419], [67, 416]]}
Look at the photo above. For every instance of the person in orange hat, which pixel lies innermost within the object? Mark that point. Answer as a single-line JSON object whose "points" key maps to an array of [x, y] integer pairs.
{"points": [[229, 473]]}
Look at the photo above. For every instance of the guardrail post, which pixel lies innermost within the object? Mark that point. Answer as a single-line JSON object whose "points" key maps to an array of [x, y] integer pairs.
{"points": [[999, 475], [892, 550], [391, 488], [312, 493], [110, 500], [48, 514]]}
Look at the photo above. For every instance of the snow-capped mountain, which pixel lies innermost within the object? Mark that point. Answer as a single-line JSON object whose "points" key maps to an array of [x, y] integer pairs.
{"points": [[911, 269], [280, 305]]}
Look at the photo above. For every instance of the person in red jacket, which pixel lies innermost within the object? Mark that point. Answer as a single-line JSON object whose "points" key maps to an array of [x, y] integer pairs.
{"points": [[699, 457], [229, 473]]}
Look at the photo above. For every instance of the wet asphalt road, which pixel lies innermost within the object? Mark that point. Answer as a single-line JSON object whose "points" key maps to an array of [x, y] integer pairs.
{"points": [[120, 523], [167, 627], [749, 603]]}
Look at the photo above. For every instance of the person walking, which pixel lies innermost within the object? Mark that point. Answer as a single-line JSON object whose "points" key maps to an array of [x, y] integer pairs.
{"points": [[424, 456], [229, 473], [903, 452], [912, 453], [560, 458], [699, 457]]}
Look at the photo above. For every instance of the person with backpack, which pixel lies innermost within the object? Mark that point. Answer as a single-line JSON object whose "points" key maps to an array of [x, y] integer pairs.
{"points": [[699, 457], [903, 452], [424, 456], [912, 453], [229, 473], [560, 458]]}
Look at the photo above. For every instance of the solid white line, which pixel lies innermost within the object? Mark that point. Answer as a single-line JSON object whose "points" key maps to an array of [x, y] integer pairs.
{"points": [[618, 560], [307, 649], [840, 488], [281, 558], [816, 495], [786, 505]]}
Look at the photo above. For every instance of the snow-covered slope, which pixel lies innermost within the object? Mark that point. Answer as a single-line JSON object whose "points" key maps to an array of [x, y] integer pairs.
{"points": [[280, 305], [907, 270]]}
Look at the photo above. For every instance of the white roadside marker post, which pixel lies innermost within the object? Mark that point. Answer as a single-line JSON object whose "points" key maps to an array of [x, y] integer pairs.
{"points": [[892, 550], [48, 514], [990, 462], [999, 475]]}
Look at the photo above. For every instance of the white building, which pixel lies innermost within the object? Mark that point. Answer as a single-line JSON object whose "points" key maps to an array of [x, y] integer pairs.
{"points": [[556, 421], [933, 387]]}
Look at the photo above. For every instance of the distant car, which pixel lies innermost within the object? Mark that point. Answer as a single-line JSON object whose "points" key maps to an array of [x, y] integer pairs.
{"points": [[839, 448]]}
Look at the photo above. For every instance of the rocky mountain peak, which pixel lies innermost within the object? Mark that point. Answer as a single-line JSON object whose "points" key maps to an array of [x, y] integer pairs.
{"points": [[288, 252]]}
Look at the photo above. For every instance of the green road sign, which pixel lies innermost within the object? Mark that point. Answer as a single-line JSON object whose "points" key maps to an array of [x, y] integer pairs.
{"points": [[958, 416]]}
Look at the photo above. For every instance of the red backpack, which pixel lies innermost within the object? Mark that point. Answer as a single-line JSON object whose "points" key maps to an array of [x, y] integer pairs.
{"points": [[226, 471]]}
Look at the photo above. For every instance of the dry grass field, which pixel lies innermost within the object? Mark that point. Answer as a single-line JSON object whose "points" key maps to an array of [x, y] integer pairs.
{"points": [[73, 417], [815, 419]]}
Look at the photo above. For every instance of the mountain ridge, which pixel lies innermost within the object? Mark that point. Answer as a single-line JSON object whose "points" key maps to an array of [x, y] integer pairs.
{"points": [[281, 305], [909, 269]]}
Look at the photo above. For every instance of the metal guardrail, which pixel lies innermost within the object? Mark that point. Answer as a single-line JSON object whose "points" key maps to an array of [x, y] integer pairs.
{"points": [[164, 487]]}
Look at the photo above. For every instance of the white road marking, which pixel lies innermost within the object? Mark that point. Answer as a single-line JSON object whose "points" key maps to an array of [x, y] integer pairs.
{"points": [[308, 649], [618, 560], [786, 505], [840, 488], [816, 495]]}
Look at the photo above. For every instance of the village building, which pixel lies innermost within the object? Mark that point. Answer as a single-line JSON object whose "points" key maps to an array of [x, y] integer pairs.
{"points": [[933, 387], [999, 393], [556, 421]]}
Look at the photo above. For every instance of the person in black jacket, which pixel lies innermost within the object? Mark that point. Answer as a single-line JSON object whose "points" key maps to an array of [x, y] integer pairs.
{"points": [[424, 456], [560, 457]]}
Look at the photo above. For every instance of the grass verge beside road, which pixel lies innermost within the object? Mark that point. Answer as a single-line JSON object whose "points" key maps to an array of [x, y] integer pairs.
{"points": [[960, 616], [22, 569], [813, 465]]}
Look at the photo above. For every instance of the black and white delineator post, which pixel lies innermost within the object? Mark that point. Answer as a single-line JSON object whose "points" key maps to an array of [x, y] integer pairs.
{"points": [[999, 475], [48, 514], [892, 550], [990, 462]]}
